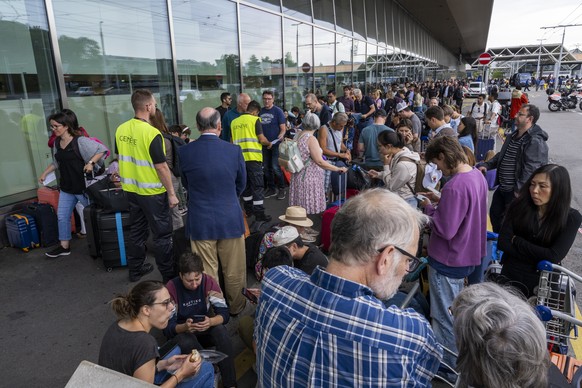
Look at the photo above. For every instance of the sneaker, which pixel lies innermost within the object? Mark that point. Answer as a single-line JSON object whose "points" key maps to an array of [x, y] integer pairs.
{"points": [[281, 194], [81, 235], [271, 192], [58, 251], [144, 270]]}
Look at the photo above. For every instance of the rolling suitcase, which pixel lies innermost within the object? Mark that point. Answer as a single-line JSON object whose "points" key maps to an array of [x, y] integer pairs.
{"points": [[329, 214], [50, 195], [46, 222], [90, 217], [113, 230], [22, 232], [485, 144]]}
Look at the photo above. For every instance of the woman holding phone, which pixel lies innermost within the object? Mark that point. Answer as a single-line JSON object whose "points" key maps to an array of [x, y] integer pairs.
{"points": [[129, 348], [192, 326]]}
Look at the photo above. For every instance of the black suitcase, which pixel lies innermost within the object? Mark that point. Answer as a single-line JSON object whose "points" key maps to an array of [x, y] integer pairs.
{"points": [[93, 242], [46, 222], [113, 232]]}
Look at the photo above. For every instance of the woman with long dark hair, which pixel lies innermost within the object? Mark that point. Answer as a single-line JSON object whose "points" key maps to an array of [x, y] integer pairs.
{"points": [[467, 130], [74, 156], [128, 348], [539, 225]]}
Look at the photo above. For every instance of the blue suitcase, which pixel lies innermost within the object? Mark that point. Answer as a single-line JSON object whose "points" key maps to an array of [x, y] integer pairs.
{"points": [[484, 146], [22, 232]]}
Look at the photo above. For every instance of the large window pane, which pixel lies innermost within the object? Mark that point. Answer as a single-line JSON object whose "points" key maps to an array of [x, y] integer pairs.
{"points": [[207, 54], [371, 68], [324, 61], [344, 62], [108, 49], [300, 9], [323, 13], [28, 94], [343, 16], [360, 63], [261, 53], [274, 5], [298, 50]]}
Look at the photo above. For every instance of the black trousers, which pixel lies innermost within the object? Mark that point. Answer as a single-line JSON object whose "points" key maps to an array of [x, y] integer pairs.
{"points": [[150, 212], [253, 195], [499, 205], [215, 336]]}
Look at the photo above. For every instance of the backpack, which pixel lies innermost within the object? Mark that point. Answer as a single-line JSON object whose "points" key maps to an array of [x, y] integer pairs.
{"points": [[484, 112], [100, 165], [175, 167], [290, 155], [420, 167]]}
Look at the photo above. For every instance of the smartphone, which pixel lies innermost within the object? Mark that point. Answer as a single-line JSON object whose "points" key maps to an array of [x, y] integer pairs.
{"points": [[250, 296], [435, 191], [198, 318], [420, 197]]}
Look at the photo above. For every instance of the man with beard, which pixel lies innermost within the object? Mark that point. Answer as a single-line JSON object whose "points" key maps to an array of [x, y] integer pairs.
{"points": [[146, 178], [332, 326]]}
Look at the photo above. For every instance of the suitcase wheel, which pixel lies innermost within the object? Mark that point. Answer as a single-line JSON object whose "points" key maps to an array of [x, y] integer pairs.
{"points": [[25, 249], [109, 269]]}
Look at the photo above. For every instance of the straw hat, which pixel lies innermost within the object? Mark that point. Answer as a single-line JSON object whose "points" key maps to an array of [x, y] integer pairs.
{"points": [[296, 215]]}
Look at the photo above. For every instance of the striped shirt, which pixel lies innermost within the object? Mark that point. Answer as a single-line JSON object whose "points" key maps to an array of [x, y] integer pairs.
{"points": [[506, 168], [326, 331]]}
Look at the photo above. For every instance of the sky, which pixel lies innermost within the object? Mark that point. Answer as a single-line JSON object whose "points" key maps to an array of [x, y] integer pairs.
{"points": [[518, 22]]}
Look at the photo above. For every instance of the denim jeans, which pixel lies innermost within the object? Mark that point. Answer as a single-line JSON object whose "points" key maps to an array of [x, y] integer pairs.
{"points": [[67, 204], [443, 290], [272, 168], [203, 379]]}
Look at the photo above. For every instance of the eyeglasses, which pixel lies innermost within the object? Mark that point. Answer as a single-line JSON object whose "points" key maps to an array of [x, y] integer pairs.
{"points": [[523, 114], [166, 303], [413, 261]]}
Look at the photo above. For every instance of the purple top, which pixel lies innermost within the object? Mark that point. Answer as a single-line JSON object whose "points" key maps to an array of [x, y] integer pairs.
{"points": [[459, 222]]}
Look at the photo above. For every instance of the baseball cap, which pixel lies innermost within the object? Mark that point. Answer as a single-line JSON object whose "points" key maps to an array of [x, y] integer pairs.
{"points": [[401, 106], [285, 235]]}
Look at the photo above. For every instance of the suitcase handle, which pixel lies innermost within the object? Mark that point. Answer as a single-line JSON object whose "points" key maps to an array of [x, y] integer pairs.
{"points": [[21, 217]]}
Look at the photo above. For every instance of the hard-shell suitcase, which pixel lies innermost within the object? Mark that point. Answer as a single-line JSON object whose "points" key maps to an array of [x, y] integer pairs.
{"points": [[112, 238], [329, 214], [50, 195], [22, 232], [45, 217], [485, 144], [90, 217]]}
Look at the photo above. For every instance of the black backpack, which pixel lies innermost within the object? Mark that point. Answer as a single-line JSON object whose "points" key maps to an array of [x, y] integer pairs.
{"points": [[175, 142]]}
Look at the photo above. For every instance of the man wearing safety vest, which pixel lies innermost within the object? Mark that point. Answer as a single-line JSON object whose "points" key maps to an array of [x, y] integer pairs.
{"points": [[247, 132], [146, 178]]}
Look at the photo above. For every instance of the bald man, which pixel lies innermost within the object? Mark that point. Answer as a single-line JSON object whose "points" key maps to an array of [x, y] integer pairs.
{"points": [[242, 103]]}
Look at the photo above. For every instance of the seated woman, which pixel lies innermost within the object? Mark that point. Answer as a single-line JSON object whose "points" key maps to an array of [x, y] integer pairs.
{"points": [[539, 225], [399, 173], [128, 348], [194, 293], [501, 340]]}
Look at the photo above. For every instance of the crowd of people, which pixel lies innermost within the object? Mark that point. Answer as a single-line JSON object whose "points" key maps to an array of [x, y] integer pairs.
{"points": [[327, 320]]}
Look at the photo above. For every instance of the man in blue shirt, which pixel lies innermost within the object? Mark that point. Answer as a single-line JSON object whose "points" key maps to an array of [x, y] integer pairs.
{"points": [[274, 127], [368, 142], [331, 329]]}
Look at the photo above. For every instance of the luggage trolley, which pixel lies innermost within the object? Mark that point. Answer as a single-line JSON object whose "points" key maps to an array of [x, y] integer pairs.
{"points": [[556, 304]]}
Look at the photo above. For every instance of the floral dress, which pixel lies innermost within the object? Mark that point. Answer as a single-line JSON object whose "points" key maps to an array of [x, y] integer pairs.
{"points": [[307, 186]]}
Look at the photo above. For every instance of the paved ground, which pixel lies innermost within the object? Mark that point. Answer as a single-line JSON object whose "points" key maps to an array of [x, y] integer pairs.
{"points": [[56, 312]]}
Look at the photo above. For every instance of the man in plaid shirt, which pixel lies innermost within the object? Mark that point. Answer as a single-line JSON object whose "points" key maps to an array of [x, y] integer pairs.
{"points": [[331, 329]]}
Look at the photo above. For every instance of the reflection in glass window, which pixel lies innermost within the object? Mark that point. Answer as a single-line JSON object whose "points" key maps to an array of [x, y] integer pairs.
{"points": [[274, 5], [109, 49], [344, 62], [358, 18], [298, 51], [300, 9], [324, 43], [28, 94], [323, 13], [261, 53], [343, 16], [207, 54]]}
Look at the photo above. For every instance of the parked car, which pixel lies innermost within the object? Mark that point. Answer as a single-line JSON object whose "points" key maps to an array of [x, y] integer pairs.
{"points": [[84, 91], [195, 93], [475, 88]]}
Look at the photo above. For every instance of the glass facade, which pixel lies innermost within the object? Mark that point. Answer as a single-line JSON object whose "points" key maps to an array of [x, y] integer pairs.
{"points": [[89, 56]]}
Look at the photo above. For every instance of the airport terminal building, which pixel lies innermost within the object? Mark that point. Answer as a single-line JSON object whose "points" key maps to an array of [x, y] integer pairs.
{"points": [[90, 55]]}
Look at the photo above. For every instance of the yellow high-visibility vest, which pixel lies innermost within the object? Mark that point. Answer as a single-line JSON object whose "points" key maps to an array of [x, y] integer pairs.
{"points": [[136, 167], [244, 134]]}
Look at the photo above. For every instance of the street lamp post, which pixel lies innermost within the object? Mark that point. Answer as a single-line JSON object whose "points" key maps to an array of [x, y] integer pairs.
{"points": [[538, 75]]}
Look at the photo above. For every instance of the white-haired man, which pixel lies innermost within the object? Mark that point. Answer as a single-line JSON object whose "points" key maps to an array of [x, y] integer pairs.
{"points": [[332, 327]]}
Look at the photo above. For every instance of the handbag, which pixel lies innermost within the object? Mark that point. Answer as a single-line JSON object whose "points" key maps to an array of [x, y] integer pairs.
{"points": [[106, 196]]}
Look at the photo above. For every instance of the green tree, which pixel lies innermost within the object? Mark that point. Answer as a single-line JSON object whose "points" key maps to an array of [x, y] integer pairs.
{"points": [[289, 62], [253, 66]]}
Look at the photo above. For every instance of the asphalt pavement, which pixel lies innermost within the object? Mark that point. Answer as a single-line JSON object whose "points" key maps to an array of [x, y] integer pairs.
{"points": [[56, 311]]}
